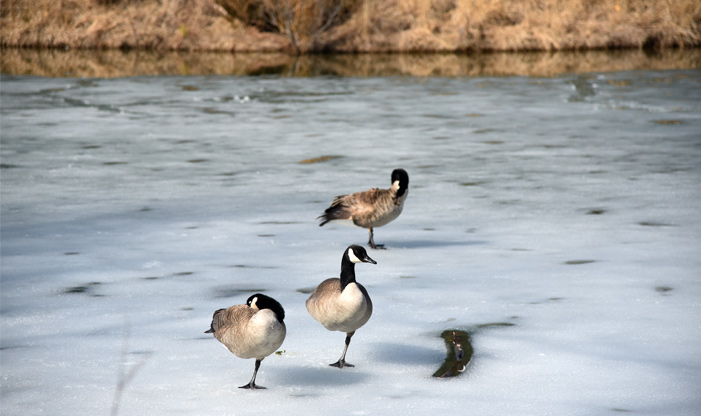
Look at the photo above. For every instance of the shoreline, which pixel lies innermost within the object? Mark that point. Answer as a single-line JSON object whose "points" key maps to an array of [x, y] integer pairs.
{"points": [[391, 26], [118, 63]]}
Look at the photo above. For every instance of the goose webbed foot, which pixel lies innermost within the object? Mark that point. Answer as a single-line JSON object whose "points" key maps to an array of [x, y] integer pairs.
{"points": [[372, 244], [342, 361], [378, 246], [253, 386], [341, 364]]}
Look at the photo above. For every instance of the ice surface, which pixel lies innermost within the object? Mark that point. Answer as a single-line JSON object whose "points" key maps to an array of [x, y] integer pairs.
{"points": [[569, 207]]}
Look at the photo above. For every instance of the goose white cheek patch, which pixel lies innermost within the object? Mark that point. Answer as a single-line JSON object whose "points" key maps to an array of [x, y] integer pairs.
{"points": [[253, 303], [353, 257]]}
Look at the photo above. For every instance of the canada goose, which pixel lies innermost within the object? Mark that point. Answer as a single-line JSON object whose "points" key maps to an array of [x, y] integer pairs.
{"points": [[343, 304], [371, 208], [254, 330]]}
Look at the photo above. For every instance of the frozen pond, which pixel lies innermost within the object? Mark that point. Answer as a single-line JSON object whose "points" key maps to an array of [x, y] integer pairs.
{"points": [[555, 220]]}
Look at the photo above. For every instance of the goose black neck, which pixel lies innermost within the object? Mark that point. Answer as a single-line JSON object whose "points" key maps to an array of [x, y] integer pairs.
{"points": [[266, 302], [347, 272], [279, 312]]}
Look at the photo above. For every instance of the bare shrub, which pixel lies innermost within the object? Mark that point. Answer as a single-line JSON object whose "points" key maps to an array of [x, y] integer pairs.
{"points": [[250, 12], [303, 21]]}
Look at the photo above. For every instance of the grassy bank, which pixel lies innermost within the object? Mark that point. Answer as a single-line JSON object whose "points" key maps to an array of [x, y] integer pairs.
{"points": [[300, 26]]}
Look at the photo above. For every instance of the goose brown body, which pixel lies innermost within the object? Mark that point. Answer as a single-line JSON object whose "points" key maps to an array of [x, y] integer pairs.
{"points": [[337, 310], [250, 333], [367, 209], [372, 208], [254, 330], [342, 304]]}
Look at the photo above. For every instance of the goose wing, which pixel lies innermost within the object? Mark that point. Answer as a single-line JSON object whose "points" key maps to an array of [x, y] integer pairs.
{"points": [[321, 302], [369, 206], [225, 319]]}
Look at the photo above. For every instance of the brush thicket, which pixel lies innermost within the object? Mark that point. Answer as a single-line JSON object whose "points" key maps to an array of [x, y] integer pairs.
{"points": [[351, 25]]}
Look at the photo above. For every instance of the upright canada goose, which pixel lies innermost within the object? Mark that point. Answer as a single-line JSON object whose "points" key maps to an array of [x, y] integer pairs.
{"points": [[254, 330], [371, 208], [343, 304]]}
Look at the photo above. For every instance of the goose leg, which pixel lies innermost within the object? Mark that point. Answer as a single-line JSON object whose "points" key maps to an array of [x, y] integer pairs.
{"points": [[342, 361], [372, 244], [252, 384]]}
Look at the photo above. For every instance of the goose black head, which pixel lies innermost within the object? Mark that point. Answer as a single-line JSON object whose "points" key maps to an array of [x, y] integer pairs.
{"points": [[400, 175], [357, 254], [260, 301]]}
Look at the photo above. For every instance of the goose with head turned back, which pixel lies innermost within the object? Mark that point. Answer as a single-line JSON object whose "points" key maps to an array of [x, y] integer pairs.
{"points": [[254, 330], [343, 304], [371, 208]]}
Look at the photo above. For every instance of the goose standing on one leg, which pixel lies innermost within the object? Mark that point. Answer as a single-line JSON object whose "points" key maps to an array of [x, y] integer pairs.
{"points": [[254, 330], [343, 304], [371, 208]]}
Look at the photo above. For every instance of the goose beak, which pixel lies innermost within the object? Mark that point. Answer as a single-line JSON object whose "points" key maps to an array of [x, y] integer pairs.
{"points": [[367, 259]]}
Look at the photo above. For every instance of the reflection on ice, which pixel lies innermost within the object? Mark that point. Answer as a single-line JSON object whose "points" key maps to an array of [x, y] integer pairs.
{"points": [[459, 353], [117, 63]]}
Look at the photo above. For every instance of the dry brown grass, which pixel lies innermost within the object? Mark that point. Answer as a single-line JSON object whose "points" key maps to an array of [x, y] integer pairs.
{"points": [[139, 24], [350, 25], [510, 25]]}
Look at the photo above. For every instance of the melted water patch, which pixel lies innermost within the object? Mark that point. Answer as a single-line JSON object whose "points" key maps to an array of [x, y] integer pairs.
{"points": [[212, 110], [230, 292], [88, 289], [459, 353], [575, 262], [242, 266], [495, 324], [663, 290], [320, 159], [654, 224]]}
